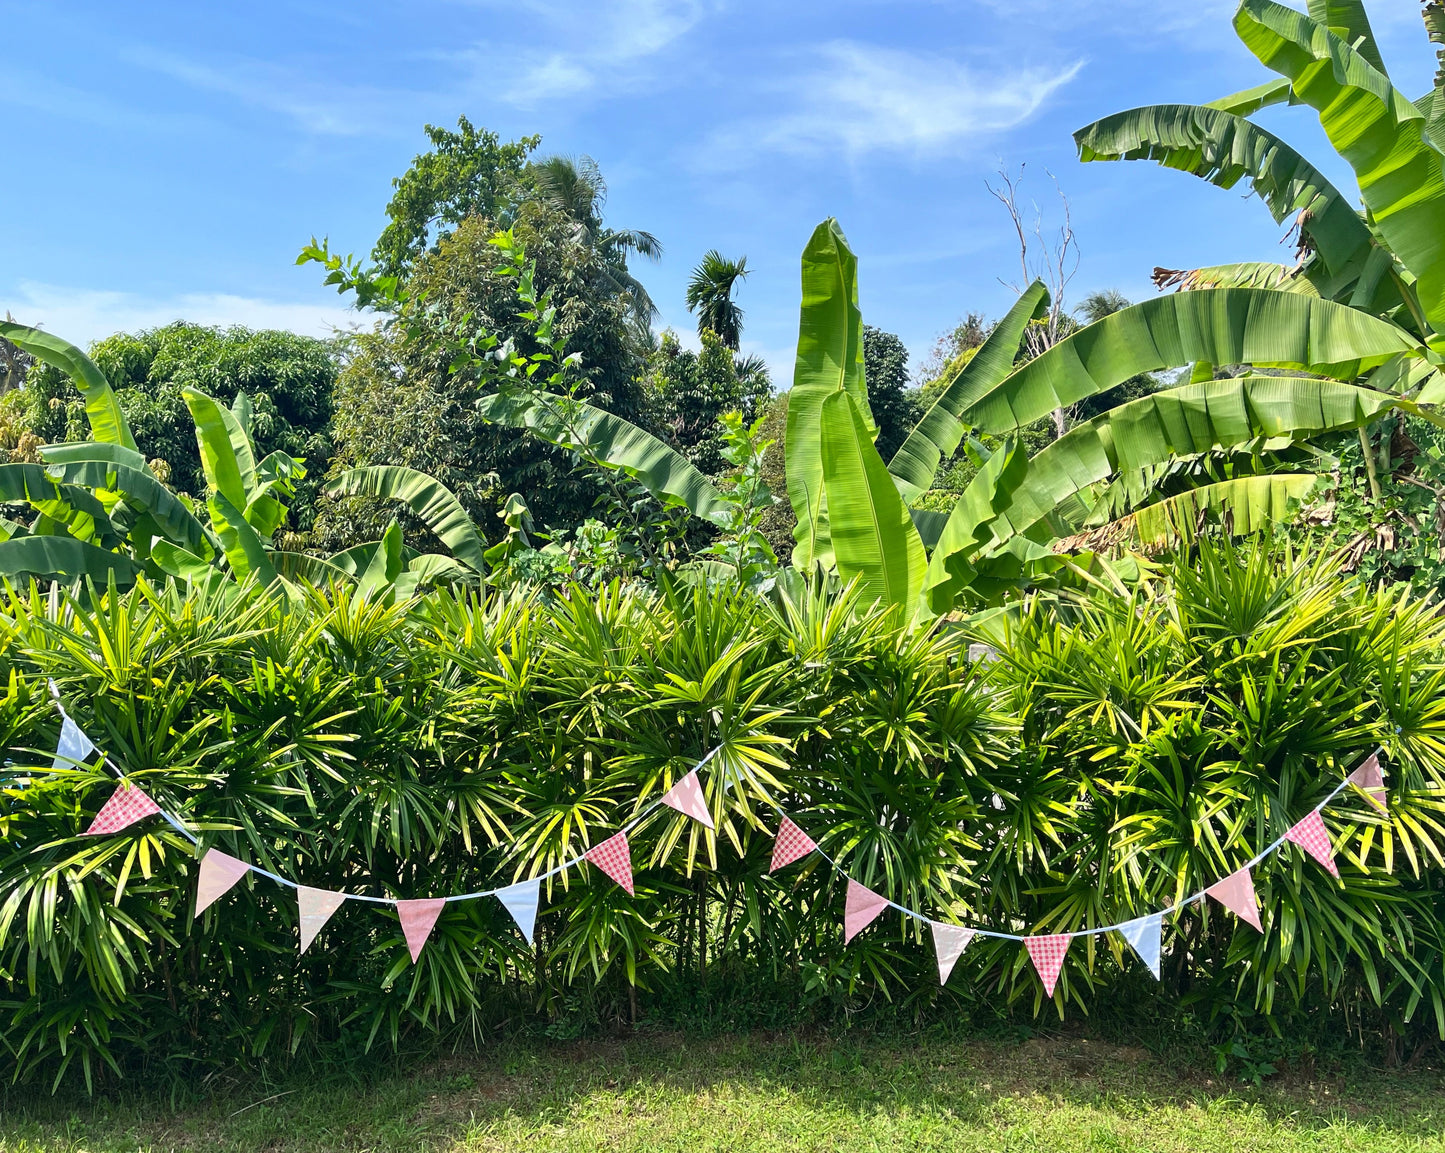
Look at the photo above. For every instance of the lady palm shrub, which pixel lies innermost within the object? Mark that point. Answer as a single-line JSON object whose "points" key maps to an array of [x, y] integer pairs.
{"points": [[1121, 750]]}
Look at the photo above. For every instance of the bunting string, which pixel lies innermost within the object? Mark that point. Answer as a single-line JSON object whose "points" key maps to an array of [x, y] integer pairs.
{"points": [[219, 872]]}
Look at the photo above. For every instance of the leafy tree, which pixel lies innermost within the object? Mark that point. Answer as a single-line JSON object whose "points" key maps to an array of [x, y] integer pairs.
{"points": [[895, 407], [710, 294], [468, 172], [695, 389]]}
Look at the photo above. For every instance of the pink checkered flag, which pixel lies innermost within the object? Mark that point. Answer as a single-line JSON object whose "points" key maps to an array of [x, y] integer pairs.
{"points": [[1311, 835], [1047, 954], [686, 797], [1370, 781], [861, 909], [127, 805], [417, 921], [219, 874], [614, 858], [792, 844], [1236, 893]]}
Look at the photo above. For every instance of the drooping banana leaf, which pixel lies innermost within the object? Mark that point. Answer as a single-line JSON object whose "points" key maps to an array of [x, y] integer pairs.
{"points": [[69, 451], [226, 456], [182, 563], [244, 549], [872, 533], [432, 501], [102, 409], [1178, 422], [1250, 503], [140, 491], [63, 558], [1247, 274], [1224, 149], [1223, 326], [1251, 100], [313, 570], [951, 568], [574, 424], [1380, 133], [938, 434], [76, 509], [830, 360]]}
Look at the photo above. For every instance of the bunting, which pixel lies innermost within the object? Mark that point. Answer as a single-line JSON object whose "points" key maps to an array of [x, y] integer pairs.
{"points": [[1144, 935], [1370, 781], [1236, 893], [861, 910], [686, 797], [1310, 834], [127, 805], [613, 857], [521, 901], [791, 844], [417, 920], [219, 874], [1047, 954], [949, 942], [73, 748], [316, 908]]}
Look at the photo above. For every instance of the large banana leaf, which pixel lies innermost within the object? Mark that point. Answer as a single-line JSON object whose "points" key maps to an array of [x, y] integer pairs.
{"points": [[1374, 127], [1251, 100], [1250, 503], [226, 456], [244, 549], [1222, 326], [387, 563], [69, 451], [313, 570], [141, 492], [432, 501], [830, 360], [1347, 20], [102, 409], [76, 508], [937, 436], [1193, 418], [951, 568], [1224, 149], [872, 533], [1246, 274], [63, 558], [560, 420]]}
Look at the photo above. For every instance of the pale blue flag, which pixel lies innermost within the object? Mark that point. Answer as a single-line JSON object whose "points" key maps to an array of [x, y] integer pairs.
{"points": [[521, 901], [74, 746], [1143, 934]]}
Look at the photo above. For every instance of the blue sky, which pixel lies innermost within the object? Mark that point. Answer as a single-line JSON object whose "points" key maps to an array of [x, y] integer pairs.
{"points": [[169, 160]]}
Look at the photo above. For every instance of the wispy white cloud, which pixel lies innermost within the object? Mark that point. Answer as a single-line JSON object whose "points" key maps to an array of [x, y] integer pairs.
{"points": [[862, 99], [81, 315]]}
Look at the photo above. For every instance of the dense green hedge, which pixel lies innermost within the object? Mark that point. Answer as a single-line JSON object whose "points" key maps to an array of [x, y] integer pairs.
{"points": [[1122, 750]]}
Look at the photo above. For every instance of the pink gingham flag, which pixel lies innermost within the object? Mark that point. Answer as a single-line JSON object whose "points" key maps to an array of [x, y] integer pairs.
{"points": [[1236, 893], [316, 906], [1370, 781], [792, 843], [614, 858], [861, 910], [127, 805], [686, 797], [1047, 954], [1311, 835], [219, 874], [417, 920]]}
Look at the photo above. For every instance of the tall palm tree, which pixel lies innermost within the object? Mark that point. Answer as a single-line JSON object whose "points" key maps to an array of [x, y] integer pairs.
{"points": [[710, 295]]}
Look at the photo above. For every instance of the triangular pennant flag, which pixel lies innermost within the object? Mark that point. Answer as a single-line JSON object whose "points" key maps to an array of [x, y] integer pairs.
{"points": [[861, 909], [1236, 892], [1369, 780], [521, 901], [949, 942], [1310, 834], [686, 797], [316, 906], [1143, 935], [219, 873], [73, 746], [417, 919], [1048, 957], [127, 805], [614, 858], [792, 843]]}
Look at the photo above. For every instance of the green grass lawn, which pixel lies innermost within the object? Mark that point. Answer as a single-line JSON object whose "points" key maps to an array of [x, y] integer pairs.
{"points": [[775, 1093]]}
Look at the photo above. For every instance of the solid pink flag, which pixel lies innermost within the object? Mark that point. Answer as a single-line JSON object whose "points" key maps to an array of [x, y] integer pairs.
{"points": [[417, 919], [861, 910], [1369, 780], [1236, 892], [792, 843], [1048, 957], [686, 797], [127, 805], [316, 906], [219, 874], [1311, 835], [614, 858]]}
